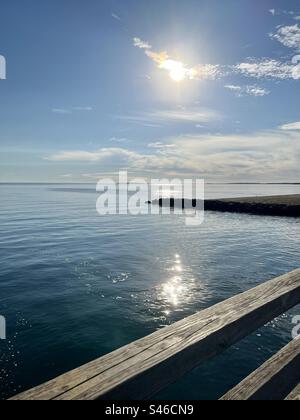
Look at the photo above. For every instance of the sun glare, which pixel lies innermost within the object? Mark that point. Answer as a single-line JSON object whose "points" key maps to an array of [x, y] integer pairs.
{"points": [[177, 75], [176, 69]]}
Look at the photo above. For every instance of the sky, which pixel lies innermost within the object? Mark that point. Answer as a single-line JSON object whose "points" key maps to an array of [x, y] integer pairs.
{"points": [[194, 89]]}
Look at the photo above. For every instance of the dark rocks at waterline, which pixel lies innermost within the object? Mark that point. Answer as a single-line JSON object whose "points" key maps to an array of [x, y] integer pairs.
{"points": [[287, 206], [179, 203], [253, 208]]}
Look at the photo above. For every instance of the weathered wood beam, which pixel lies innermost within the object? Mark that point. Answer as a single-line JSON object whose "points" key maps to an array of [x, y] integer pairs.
{"points": [[274, 380], [143, 368], [295, 394]]}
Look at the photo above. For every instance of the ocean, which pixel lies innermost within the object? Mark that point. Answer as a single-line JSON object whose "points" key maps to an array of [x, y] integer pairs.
{"points": [[76, 285]]}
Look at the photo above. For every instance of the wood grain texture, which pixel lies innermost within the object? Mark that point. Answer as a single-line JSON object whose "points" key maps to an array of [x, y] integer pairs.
{"points": [[294, 395], [274, 380], [143, 368]]}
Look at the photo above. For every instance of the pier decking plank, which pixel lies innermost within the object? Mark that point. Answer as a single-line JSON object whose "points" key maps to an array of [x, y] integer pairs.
{"points": [[143, 368], [274, 380]]}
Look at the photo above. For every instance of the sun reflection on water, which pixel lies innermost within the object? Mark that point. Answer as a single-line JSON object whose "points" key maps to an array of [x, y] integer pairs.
{"points": [[178, 289], [172, 290]]}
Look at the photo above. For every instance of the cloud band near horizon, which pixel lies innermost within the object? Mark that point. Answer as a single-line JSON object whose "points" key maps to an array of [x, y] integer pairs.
{"points": [[273, 154]]}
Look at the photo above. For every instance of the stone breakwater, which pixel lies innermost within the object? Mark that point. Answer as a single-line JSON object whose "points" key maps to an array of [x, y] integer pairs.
{"points": [[287, 206]]}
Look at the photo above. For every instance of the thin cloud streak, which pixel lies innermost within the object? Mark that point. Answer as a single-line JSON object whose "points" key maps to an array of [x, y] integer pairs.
{"points": [[171, 116], [61, 111], [250, 90], [71, 110], [116, 17]]}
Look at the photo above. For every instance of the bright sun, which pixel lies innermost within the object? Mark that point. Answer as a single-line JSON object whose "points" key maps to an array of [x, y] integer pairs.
{"points": [[177, 74], [176, 69]]}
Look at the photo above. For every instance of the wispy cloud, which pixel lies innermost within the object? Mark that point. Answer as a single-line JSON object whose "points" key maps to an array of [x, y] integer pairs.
{"points": [[137, 42], [173, 116], [191, 115], [265, 68], [143, 119], [279, 12], [291, 127], [267, 155], [249, 90], [268, 69], [82, 108], [115, 16], [178, 70], [61, 111], [118, 140], [71, 110], [91, 176], [161, 146], [289, 36], [67, 176], [86, 156]]}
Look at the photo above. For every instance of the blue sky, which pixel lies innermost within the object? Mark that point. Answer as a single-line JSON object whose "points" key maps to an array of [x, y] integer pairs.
{"points": [[194, 88]]}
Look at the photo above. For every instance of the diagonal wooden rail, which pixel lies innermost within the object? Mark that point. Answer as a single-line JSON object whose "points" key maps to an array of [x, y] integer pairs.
{"points": [[143, 368], [295, 394], [274, 380]]}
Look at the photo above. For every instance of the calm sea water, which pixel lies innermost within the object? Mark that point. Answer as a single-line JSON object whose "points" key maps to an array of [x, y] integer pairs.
{"points": [[75, 286]]}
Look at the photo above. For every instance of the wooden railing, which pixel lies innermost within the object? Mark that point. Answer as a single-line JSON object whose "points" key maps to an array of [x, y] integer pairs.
{"points": [[143, 368], [274, 380]]}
